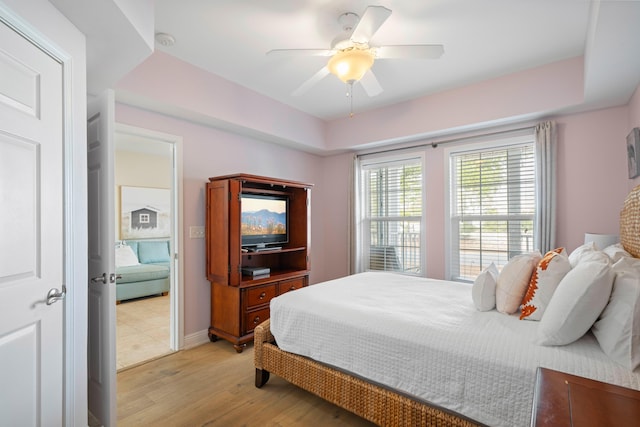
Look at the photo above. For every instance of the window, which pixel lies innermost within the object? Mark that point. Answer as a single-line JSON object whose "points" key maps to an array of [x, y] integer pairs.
{"points": [[391, 206], [144, 218], [492, 205]]}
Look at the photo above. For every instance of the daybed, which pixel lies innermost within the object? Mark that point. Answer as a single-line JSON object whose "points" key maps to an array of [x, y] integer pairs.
{"points": [[442, 361], [142, 268]]}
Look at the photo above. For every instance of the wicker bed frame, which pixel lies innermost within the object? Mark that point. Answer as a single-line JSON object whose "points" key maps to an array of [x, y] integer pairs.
{"points": [[373, 402]]}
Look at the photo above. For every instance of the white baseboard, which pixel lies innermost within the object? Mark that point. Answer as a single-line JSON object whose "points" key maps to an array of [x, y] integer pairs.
{"points": [[196, 339]]}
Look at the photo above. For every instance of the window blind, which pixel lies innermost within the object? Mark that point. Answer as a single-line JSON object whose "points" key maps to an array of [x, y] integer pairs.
{"points": [[392, 203], [492, 207]]}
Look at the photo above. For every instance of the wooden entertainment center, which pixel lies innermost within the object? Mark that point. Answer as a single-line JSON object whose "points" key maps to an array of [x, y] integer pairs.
{"points": [[241, 302]]}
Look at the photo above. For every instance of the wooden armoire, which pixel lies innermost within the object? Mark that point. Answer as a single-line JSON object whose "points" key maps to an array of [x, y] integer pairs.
{"points": [[239, 302]]}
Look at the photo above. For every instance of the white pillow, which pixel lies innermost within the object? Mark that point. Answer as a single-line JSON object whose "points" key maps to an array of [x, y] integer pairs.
{"points": [[580, 251], [513, 281], [616, 252], [618, 329], [551, 269], [576, 304], [125, 256], [483, 291]]}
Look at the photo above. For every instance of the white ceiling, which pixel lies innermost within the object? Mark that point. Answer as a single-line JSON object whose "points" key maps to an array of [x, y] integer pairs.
{"points": [[482, 39]]}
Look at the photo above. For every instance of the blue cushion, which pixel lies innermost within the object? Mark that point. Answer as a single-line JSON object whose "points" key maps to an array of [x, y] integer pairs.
{"points": [[141, 272], [153, 251]]}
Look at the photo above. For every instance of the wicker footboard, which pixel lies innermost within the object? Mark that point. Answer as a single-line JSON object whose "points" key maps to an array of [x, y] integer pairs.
{"points": [[373, 402]]}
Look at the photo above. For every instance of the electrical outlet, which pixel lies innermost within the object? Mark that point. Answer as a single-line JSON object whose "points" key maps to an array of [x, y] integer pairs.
{"points": [[196, 232]]}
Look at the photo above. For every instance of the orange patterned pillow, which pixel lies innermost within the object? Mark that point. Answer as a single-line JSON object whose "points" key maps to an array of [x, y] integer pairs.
{"points": [[545, 279]]}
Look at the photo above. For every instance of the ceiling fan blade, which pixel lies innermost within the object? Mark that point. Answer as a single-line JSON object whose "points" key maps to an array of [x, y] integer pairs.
{"points": [[321, 74], [300, 52], [418, 51], [370, 84], [372, 19]]}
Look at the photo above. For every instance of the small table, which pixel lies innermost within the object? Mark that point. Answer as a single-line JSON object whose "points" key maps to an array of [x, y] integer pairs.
{"points": [[567, 400]]}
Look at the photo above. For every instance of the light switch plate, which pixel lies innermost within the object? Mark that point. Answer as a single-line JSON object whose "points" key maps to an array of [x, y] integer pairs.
{"points": [[196, 232]]}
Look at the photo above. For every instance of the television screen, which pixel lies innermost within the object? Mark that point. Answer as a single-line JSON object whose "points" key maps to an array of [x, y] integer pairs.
{"points": [[264, 219]]}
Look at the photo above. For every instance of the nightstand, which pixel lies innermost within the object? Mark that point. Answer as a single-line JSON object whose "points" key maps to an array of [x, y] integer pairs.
{"points": [[567, 400]]}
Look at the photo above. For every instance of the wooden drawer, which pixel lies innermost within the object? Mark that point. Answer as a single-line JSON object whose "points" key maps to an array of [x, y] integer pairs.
{"points": [[260, 295], [561, 399], [254, 318], [290, 285]]}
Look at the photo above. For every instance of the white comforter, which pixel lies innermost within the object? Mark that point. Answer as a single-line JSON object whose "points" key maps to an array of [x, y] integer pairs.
{"points": [[424, 337]]}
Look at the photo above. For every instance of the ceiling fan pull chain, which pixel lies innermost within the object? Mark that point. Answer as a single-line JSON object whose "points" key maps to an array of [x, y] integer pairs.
{"points": [[350, 95]]}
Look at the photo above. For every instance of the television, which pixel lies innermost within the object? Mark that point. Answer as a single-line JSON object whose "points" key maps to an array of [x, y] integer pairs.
{"points": [[264, 220]]}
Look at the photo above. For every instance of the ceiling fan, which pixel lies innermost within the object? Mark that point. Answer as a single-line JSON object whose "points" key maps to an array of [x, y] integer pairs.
{"points": [[351, 55]]}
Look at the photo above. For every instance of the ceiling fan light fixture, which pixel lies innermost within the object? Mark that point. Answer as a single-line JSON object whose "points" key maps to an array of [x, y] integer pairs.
{"points": [[349, 65]]}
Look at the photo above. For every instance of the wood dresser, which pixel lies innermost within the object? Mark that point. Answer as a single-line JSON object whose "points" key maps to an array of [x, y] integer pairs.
{"points": [[567, 400], [240, 302]]}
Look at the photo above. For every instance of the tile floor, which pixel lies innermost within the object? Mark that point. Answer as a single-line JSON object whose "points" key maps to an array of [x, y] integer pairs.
{"points": [[142, 330]]}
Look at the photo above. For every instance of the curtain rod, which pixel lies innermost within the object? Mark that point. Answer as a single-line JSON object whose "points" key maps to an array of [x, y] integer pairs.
{"points": [[434, 144]]}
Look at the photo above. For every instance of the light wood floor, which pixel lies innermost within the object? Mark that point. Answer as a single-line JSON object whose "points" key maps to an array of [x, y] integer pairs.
{"points": [[142, 330], [212, 385]]}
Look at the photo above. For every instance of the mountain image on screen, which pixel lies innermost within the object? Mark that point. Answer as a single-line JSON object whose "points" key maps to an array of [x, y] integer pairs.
{"points": [[263, 222]]}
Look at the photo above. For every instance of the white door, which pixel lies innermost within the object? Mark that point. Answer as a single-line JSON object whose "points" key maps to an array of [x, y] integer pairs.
{"points": [[31, 234], [102, 286]]}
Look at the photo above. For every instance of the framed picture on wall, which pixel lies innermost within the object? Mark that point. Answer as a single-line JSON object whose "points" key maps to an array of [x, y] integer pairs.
{"points": [[633, 152], [145, 213]]}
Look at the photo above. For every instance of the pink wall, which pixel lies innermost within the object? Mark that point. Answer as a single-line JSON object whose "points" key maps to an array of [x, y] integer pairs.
{"points": [[163, 80], [334, 214], [512, 97], [592, 174]]}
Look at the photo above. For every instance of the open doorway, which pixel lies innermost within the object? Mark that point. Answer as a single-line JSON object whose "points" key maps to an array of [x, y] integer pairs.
{"points": [[147, 178]]}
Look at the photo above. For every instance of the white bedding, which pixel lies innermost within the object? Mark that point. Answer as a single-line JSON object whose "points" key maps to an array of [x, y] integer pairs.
{"points": [[424, 337]]}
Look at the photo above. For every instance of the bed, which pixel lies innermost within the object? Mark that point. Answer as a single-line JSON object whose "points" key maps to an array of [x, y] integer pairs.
{"points": [[441, 362]]}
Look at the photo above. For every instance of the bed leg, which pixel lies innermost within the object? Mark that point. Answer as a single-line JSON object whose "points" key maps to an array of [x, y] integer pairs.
{"points": [[262, 377]]}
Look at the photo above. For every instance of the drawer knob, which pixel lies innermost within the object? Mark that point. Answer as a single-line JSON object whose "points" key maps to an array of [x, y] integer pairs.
{"points": [[293, 288], [262, 295], [256, 320]]}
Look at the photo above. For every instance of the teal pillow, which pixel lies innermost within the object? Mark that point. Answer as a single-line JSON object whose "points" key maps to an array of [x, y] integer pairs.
{"points": [[153, 251]]}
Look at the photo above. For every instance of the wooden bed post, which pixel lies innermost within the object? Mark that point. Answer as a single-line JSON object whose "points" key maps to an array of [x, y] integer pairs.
{"points": [[262, 377], [261, 335]]}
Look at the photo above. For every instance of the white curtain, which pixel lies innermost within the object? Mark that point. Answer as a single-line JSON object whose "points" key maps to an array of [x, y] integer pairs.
{"points": [[545, 147], [355, 256]]}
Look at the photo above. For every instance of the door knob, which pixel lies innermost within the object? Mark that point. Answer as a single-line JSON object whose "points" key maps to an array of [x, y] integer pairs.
{"points": [[100, 279], [54, 295]]}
